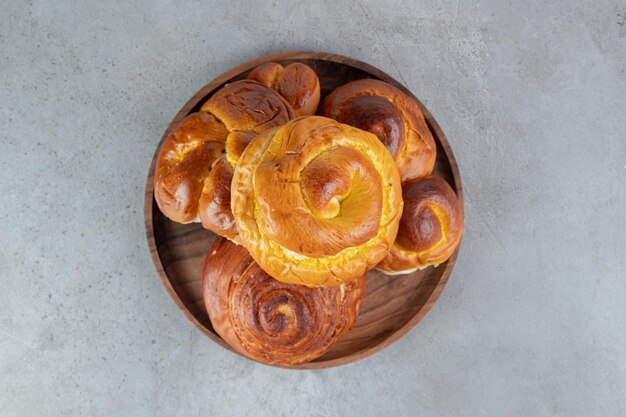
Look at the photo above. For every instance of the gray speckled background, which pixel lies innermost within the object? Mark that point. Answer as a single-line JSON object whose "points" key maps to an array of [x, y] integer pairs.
{"points": [[532, 96]]}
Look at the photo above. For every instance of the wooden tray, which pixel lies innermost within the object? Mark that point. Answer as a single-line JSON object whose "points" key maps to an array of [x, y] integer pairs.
{"points": [[392, 305]]}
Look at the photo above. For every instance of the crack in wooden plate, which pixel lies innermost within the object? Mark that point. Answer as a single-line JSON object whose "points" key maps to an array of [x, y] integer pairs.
{"points": [[392, 305]]}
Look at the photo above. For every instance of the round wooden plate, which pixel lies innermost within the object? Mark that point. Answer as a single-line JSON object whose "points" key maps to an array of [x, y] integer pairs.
{"points": [[392, 305]]}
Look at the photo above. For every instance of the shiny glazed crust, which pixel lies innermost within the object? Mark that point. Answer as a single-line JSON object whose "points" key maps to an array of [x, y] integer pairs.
{"points": [[316, 202], [271, 321], [393, 116], [296, 82], [430, 228], [186, 188]]}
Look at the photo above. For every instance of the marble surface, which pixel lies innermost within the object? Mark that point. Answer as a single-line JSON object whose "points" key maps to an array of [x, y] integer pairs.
{"points": [[532, 96]]}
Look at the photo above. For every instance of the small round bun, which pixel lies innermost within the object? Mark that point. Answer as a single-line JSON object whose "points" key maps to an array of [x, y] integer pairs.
{"points": [[393, 116], [430, 228], [296, 82], [268, 320], [316, 202]]}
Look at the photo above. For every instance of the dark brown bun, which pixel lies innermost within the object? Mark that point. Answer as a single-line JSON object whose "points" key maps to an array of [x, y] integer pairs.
{"points": [[271, 321]]}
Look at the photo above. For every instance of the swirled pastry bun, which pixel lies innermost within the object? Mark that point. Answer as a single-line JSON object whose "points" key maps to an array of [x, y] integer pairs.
{"points": [[195, 163], [316, 202], [390, 114], [268, 320], [430, 229]]}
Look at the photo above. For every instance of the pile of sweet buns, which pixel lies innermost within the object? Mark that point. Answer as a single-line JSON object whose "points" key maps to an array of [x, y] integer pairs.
{"points": [[305, 204]]}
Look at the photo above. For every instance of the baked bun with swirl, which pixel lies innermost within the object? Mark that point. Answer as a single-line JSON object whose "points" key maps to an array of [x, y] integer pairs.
{"points": [[268, 320], [195, 164], [430, 228], [316, 202], [390, 114], [296, 82]]}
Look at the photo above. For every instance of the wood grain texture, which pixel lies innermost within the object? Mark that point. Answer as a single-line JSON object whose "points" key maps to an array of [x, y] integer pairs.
{"points": [[392, 305]]}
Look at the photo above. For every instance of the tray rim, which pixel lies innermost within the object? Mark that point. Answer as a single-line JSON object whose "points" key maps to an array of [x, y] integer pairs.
{"points": [[236, 71]]}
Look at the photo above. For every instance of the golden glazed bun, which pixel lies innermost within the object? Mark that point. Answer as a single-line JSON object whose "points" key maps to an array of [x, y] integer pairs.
{"points": [[195, 163], [430, 229], [268, 320], [296, 82], [393, 116], [316, 202]]}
